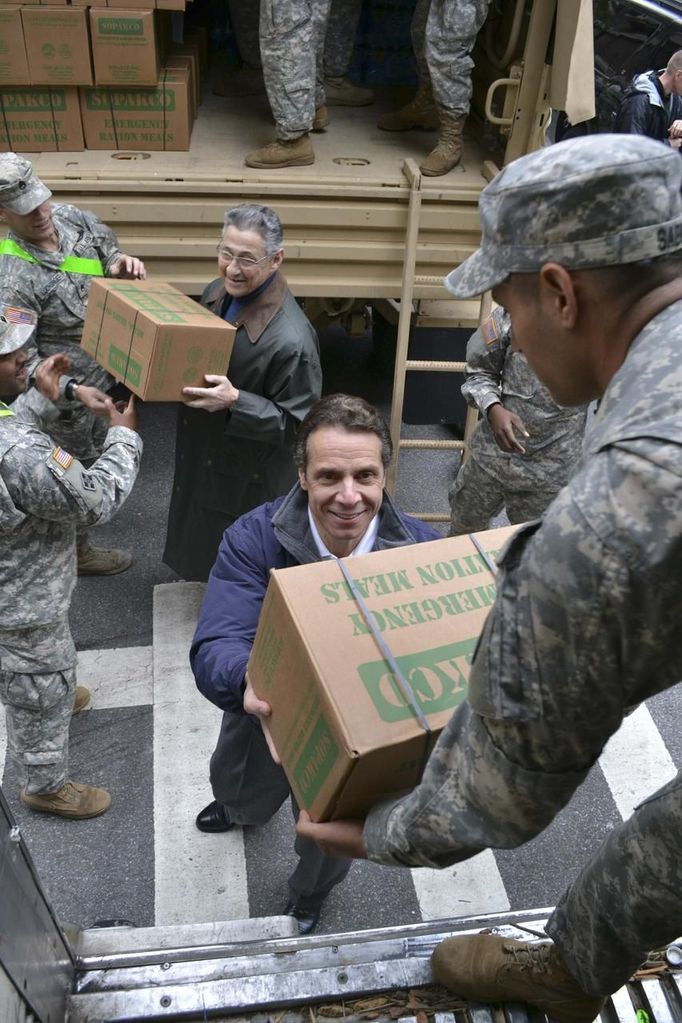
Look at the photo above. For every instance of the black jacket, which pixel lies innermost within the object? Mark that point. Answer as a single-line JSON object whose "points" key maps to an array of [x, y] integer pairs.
{"points": [[228, 463], [646, 110]]}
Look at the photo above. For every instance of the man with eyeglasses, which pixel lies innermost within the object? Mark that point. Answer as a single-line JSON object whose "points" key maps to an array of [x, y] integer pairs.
{"points": [[235, 436]]}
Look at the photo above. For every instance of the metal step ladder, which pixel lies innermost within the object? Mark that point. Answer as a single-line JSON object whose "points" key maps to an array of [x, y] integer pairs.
{"points": [[446, 312]]}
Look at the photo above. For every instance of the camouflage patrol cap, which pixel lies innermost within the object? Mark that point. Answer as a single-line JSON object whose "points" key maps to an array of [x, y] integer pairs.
{"points": [[13, 335], [601, 200], [21, 191]]}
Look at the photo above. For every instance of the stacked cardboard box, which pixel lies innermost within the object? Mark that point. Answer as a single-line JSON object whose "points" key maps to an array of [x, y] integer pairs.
{"points": [[129, 98], [40, 120], [155, 119]]}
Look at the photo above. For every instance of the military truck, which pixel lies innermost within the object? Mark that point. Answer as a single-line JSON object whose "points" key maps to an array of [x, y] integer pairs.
{"points": [[362, 227]]}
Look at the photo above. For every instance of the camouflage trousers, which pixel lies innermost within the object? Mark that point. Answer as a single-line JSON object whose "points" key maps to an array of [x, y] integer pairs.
{"points": [[252, 787], [476, 497], [37, 689], [443, 36], [627, 899], [342, 29], [291, 47], [342, 26]]}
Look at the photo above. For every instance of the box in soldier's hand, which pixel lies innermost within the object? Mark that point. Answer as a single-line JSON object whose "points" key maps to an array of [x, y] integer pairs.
{"points": [[153, 338], [345, 730]]}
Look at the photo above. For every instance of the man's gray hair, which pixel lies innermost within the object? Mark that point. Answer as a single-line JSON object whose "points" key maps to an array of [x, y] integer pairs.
{"points": [[263, 219]]}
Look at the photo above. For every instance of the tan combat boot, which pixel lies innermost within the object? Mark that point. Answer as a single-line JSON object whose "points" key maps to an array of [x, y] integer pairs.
{"points": [[82, 699], [341, 92], [72, 800], [420, 112], [100, 561], [283, 153], [489, 968], [321, 119], [448, 150]]}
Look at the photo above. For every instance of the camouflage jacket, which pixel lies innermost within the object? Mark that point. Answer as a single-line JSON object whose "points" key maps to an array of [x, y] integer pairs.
{"points": [[44, 495], [57, 297], [585, 625], [495, 373]]}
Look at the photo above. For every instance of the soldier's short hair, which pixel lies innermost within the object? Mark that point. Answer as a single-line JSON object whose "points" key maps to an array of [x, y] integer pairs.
{"points": [[675, 63], [250, 216], [349, 413]]}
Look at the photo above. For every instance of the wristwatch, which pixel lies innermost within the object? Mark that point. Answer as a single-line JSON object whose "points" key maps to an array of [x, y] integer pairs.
{"points": [[70, 389]]}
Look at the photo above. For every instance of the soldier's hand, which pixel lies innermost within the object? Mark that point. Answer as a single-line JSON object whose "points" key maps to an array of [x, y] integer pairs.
{"points": [[99, 403], [220, 395], [128, 268], [262, 710], [48, 373], [337, 838], [675, 130], [123, 414], [505, 426]]}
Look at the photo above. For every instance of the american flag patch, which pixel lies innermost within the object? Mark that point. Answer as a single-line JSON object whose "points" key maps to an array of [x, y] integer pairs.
{"points": [[489, 331], [15, 314], [62, 457]]}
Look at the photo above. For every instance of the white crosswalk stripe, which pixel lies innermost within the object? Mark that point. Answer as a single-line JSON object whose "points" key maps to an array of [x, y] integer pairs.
{"points": [[635, 761], [198, 878], [471, 888]]}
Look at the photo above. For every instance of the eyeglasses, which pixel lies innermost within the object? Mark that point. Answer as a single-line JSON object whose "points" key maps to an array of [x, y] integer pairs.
{"points": [[243, 262]]}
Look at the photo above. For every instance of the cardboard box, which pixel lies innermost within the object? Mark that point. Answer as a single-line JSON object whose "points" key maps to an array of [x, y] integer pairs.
{"points": [[57, 45], [13, 59], [146, 119], [140, 5], [346, 734], [153, 338], [186, 61], [37, 3], [190, 49], [35, 120], [124, 50]]}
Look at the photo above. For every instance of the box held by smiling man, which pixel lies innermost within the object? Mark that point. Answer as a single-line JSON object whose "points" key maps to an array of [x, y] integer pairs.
{"points": [[345, 733], [153, 338]]}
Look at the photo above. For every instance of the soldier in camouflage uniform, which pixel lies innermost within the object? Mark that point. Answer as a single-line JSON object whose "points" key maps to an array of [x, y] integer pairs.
{"points": [[443, 36], [342, 28], [524, 448], [582, 244], [47, 262], [291, 48], [342, 25], [44, 494]]}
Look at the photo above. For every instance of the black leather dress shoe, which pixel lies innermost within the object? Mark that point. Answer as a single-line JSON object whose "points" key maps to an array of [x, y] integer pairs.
{"points": [[307, 916], [213, 819]]}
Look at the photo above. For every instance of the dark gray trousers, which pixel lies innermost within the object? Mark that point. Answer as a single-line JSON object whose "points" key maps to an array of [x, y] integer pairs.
{"points": [[252, 787], [627, 899]]}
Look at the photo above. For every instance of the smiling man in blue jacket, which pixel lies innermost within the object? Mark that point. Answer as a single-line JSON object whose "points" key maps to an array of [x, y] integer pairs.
{"points": [[337, 509]]}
